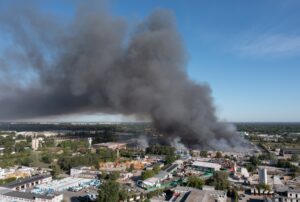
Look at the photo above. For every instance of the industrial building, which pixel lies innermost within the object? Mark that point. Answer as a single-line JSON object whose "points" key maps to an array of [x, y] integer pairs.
{"points": [[8, 195], [149, 183], [66, 184], [161, 176], [30, 182], [288, 196], [17, 172], [84, 172], [206, 196], [288, 152], [188, 194], [206, 166], [111, 145]]}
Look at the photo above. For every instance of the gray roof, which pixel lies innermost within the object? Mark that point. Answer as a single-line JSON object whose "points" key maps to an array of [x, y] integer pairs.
{"points": [[161, 174], [204, 196], [21, 182], [171, 167], [27, 195], [294, 191]]}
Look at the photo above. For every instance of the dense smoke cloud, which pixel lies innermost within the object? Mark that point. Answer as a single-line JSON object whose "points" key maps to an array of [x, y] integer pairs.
{"points": [[91, 64]]}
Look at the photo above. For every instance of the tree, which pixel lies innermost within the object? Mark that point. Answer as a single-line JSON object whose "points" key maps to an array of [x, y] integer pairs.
{"points": [[264, 187], [294, 158], [147, 174], [109, 192], [26, 161], [194, 181], [7, 180], [218, 155], [254, 160], [131, 168], [47, 158], [108, 135], [235, 196], [123, 194], [55, 170], [49, 142], [170, 158], [160, 150], [203, 154], [156, 169], [20, 146], [220, 180], [114, 175]]}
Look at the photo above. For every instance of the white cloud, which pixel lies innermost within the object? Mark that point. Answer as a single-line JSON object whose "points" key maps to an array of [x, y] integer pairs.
{"points": [[271, 44]]}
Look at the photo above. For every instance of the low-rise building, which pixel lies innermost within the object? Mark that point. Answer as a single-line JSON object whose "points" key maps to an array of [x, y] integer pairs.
{"points": [[289, 196], [16, 172], [151, 182], [111, 145], [188, 194], [66, 184], [8, 195], [29, 182], [288, 152], [206, 166], [84, 172]]}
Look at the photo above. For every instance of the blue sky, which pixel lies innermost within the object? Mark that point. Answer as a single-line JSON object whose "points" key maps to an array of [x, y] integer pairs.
{"points": [[247, 51]]}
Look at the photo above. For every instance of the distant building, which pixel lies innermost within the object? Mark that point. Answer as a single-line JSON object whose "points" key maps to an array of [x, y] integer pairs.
{"points": [[21, 172], [84, 172], [206, 166], [35, 144], [288, 152], [263, 176], [8, 195], [119, 166], [90, 140], [111, 145]]}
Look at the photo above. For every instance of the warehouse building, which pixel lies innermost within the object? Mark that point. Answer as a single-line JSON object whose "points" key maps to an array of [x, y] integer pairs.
{"points": [[206, 166], [161, 176], [30, 182], [111, 145], [84, 172], [8, 195]]}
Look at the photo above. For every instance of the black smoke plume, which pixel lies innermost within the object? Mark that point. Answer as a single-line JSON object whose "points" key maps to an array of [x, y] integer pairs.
{"points": [[91, 63]]}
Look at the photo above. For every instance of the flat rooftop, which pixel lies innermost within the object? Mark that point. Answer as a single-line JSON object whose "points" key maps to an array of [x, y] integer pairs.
{"points": [[204, 196], [206, 164], [27, 195], [24, 195]]}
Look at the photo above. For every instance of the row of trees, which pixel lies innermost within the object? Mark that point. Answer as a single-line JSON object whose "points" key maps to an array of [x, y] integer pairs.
{"points": [[269, 128], [160, 150]]}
